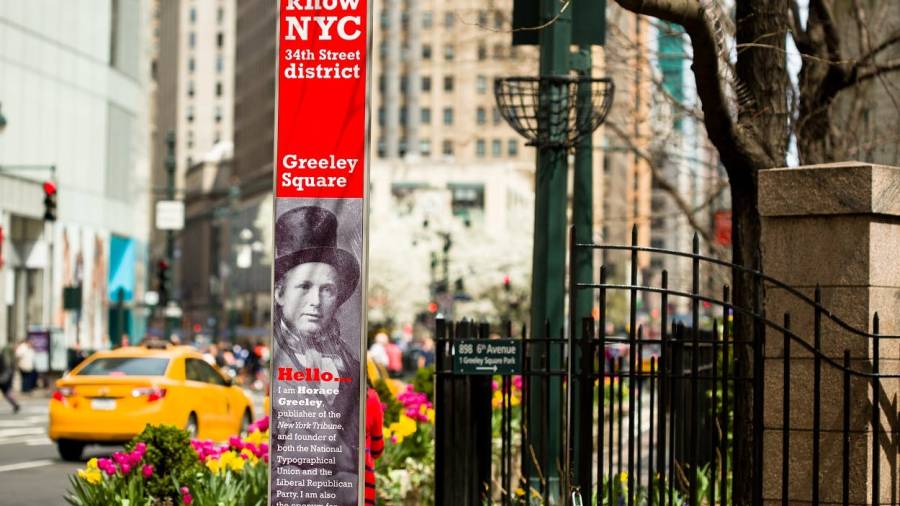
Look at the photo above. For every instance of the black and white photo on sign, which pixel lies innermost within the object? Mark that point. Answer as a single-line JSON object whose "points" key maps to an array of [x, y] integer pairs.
{"points": [[316, 328]]}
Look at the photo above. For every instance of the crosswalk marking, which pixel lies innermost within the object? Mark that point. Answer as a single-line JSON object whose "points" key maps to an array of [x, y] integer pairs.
{"points": [[18, 466]]}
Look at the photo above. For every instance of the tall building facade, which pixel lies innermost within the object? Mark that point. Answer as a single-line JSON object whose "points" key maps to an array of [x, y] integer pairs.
{"points": [[73, 94], [433, 71], [194, 70]]}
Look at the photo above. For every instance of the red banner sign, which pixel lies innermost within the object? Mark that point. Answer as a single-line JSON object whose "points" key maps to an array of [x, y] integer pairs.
{"points": [[322, 99]]}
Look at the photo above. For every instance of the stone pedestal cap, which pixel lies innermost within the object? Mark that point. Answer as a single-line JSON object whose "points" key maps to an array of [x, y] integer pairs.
{"points": [[830, 189]]}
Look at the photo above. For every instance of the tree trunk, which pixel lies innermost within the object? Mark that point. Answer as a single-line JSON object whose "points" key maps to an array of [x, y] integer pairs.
{"points": [[763, 113], [746, 235]]}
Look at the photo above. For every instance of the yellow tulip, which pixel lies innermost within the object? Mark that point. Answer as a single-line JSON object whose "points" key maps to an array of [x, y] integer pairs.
{"points": [[92, 476], [213, 466]]}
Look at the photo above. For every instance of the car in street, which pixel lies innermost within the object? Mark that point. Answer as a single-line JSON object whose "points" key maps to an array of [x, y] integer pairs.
{"points": [[112, 395]]}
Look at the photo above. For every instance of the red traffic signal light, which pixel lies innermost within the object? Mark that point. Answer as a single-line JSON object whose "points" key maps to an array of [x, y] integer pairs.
{"points": [[49, 200], [432, 307]]}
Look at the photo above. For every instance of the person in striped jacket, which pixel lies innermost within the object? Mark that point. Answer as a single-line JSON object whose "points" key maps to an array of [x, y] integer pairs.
{"points": [[374, 441]]}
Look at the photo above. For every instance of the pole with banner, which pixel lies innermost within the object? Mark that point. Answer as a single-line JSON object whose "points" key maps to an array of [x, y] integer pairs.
{"points": [[318, 383]]}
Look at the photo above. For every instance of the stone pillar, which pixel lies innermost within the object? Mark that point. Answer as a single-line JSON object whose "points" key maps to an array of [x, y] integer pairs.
{"points": [[836, 226]]}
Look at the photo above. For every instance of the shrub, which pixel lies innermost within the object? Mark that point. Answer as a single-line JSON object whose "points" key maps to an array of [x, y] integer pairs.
{"points": [[169, 452]]}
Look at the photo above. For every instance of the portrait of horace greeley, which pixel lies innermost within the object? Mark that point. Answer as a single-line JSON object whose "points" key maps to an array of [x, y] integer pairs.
{"points": [[313, 279]]}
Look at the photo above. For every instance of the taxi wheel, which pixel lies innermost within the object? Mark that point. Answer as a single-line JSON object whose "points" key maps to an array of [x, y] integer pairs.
{"points": [[69, 450], [191, 426], [246, 420]]}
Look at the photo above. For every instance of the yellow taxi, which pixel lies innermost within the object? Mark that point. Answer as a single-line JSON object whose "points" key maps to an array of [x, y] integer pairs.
{"points": [[112, 395]]}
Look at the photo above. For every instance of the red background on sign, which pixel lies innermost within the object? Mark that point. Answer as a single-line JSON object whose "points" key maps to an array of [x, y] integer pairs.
{"points": [[318, 118]]}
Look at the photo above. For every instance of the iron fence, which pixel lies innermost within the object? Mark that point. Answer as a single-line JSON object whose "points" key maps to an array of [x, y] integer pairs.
{"points": [[704, 413]]}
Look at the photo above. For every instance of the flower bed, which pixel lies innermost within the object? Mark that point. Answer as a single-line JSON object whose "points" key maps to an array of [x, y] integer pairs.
{"points": [[163, 467]]}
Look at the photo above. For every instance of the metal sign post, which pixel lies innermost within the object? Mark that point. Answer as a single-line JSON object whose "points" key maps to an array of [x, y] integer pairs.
{"points": [[318, 386]]}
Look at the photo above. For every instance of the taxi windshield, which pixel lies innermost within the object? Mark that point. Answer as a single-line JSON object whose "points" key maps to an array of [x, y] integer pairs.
{"points": [[125, 366]]}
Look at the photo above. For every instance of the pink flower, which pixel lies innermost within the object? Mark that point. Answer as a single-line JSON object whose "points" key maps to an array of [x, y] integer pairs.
{"points": [[126, 468], [120, 458], [260, 425], [147, 471], [107, 466], [495, 386], [186, 497], [140, 449], [236, 443], [517, 382]]}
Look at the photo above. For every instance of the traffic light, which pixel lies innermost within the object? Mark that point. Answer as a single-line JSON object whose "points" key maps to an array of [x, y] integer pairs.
{"points": [[49, 201], [432, 307], [162, 279], [506, 286]]}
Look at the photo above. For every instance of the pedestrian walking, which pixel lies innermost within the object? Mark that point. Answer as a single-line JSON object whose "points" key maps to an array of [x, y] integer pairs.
{"points": [[7, 372], [25, 364]]}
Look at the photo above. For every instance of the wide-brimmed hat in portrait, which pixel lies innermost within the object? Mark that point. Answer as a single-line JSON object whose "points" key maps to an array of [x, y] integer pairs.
{"points": [[309, 234]]}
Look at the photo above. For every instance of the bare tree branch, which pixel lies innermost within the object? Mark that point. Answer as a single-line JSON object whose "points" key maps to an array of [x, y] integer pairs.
{"points": [[663, 183], [873, 71], [739, 151], [881, 46]]}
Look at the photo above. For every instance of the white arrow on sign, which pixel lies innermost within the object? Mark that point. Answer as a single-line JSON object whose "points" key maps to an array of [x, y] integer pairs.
{"points": [[485, 368]]}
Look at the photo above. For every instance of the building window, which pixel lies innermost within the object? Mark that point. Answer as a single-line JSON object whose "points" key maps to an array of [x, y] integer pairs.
{"points": [[448, 83], [190, 88], [191, 64], [481, 84], [480, 148], [381, 83], [498, 19], [512, 147], [403, 115], [220, 39], [381, 116], [382, 148], [190, 139], [496, 148], [220, 15], [404, 81], [426, 83], [427, 19], [495, 115], [482, 18], [425, 116], [447, 148], [425, 147], [190, 113], [193, 15], [449, 19], [218, 113], [382, 49], [448, 52], [480, 116], [426, 51], [383, 18], [219, 88], [192, 40], [482, 52], [499, 50], [448, 115], [220, 63]]}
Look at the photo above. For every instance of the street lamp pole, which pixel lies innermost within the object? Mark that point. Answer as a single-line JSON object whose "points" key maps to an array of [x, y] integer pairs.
{"points": [[170, 234]]}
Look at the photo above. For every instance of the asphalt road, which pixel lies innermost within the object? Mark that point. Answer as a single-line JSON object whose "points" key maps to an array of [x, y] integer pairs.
{"points": [[31, 472]]}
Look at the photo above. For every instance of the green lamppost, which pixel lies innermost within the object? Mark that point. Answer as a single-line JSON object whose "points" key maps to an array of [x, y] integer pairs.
{"points": [[556, 111]]}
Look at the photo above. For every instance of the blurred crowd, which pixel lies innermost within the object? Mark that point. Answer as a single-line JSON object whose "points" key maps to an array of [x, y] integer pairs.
{"points": [[401, 354]]}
